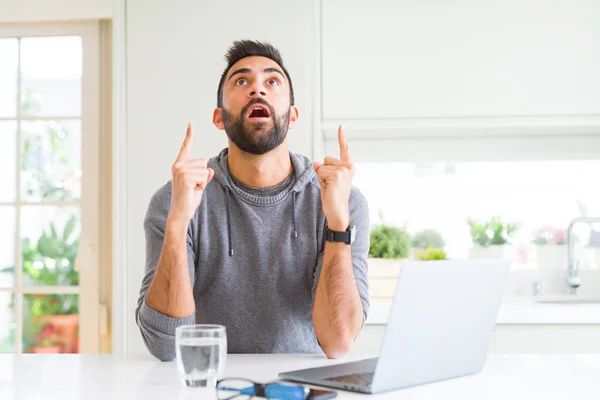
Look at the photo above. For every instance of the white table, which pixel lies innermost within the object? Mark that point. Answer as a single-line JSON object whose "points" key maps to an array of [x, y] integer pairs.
{"points": [[90, 377]]}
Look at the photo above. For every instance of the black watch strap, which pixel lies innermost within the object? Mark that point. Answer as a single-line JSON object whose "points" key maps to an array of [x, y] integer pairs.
{"points": [[340, 237]]}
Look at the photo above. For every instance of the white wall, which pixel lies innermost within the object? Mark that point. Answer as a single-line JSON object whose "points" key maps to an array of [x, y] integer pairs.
{"points": [[174, 62], [54, 10]]}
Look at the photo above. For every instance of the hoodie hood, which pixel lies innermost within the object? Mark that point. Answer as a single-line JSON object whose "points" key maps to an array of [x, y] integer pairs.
{"points": [[304, 173]]}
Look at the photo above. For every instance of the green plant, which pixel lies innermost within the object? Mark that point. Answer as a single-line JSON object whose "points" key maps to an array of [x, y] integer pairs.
{"points": [[31, 332], [389, 242], [428, 238], [51, 304], [51, 261], [431, 253], [491, 232]]}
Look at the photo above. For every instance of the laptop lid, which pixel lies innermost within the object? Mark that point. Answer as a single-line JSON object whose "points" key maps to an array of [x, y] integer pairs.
{"points": [[441, 322]]}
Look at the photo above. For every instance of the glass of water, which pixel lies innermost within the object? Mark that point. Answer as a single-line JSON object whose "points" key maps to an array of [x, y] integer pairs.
{"points": [[201, 354]]}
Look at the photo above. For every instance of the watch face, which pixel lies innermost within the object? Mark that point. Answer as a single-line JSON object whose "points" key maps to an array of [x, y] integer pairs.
{"points": [[352, 233]]}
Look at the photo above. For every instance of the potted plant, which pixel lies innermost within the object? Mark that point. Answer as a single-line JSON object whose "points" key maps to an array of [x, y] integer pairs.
{"points": [[389, 248], [58, 310], [550, 246], [48, 340], [389, 242], [50, 261], [428, 238], [431, 253], [490, 237]]}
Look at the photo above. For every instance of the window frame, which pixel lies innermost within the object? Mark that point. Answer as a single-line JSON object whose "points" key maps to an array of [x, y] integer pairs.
{"points": [[88, 253], [476, 138], [468, 139]]}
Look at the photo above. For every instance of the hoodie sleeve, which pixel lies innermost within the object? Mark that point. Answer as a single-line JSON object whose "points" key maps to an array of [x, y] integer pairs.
{"points": [[359, 217], [157, 329]]}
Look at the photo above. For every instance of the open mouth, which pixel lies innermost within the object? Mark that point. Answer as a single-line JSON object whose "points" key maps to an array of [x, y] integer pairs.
{"points": [[258, 111]]}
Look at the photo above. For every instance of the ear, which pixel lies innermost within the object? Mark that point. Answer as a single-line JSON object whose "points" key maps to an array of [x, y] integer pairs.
{"points": [[293, 117], [218, 119]]}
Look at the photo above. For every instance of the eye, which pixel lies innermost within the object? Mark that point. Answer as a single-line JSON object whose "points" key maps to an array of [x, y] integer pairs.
{"points": [[273, 82], [241, 81]]}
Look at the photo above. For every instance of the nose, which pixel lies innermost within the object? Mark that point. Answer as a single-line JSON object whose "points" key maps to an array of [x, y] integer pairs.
{"points": [[257, 91]]}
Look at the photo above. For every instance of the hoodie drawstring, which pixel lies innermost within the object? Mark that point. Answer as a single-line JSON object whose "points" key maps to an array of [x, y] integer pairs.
{"points": [[294, 213], [229, 232]]}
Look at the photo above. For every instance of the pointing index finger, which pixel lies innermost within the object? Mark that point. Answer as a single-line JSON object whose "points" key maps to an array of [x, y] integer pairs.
{"points": [[186, 148], [344, 148]]}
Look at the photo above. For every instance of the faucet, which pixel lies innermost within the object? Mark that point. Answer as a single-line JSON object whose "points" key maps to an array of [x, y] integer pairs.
{"points": [[573, 280]]}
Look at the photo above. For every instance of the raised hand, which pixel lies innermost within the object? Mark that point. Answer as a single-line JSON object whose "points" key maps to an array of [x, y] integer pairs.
{"points": [[335, 178], [190, 177]]}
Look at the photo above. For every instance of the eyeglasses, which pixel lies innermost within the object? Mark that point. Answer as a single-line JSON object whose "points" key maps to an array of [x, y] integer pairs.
{"points": [[244, 389]]}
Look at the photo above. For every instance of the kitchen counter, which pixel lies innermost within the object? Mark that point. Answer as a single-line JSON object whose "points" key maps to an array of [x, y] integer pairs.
{"points": [[91, 377], [516, 310]]}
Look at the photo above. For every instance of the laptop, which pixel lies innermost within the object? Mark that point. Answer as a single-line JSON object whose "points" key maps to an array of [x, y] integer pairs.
{"points": [[440, 326]]}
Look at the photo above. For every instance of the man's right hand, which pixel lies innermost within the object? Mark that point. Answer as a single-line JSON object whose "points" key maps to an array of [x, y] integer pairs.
{"points": [[190, 177]]}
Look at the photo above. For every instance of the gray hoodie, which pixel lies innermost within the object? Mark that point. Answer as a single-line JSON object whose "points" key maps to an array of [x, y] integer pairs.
{"points": [[254, 262]]}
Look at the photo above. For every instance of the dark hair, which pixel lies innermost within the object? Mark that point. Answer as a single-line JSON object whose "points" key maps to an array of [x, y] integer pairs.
{"points": [[247, 48]]}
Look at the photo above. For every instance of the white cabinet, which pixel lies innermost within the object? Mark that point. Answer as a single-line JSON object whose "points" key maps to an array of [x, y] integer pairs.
{"points": [[406, 59]]}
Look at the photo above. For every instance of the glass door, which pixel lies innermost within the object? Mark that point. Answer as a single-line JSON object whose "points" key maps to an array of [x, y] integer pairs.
{"points": [[49, 189]]}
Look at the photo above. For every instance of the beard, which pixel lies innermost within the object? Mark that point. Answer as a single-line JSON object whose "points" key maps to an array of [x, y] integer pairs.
{"points": [[251, 136]]}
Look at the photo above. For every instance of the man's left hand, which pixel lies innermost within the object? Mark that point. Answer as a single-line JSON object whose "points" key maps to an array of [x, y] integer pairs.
{"points": [[335, 178]]}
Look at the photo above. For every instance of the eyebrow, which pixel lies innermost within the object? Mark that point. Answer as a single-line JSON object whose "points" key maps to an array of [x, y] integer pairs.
{"points": [[248, 70], [272, 69]]}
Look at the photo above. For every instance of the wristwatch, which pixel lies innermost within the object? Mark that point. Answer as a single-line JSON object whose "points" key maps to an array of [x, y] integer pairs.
{"points": [[341, 237]]}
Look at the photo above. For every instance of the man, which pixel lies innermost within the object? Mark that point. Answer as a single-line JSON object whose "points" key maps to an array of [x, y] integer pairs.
{"points": [[257, 238]]}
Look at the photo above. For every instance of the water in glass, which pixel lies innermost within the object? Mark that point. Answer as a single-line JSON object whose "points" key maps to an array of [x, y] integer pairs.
{"points": [[201, 354]]}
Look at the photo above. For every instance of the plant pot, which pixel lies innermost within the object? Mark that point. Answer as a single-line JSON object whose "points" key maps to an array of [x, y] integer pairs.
{"points": [[551, 256], [487, 252], [383, 276], [46, 350], [66, 326], [385, 267]]}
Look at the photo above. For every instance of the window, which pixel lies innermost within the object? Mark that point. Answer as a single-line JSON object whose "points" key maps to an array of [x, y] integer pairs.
{"points": [[49, 187], [443, 196]]}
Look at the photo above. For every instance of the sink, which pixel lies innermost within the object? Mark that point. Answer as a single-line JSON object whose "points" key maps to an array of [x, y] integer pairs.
{"points": [[565, 298]]}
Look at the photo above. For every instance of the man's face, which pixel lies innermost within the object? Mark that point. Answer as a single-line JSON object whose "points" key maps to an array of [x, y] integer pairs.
{"points": [[256, 112]]}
